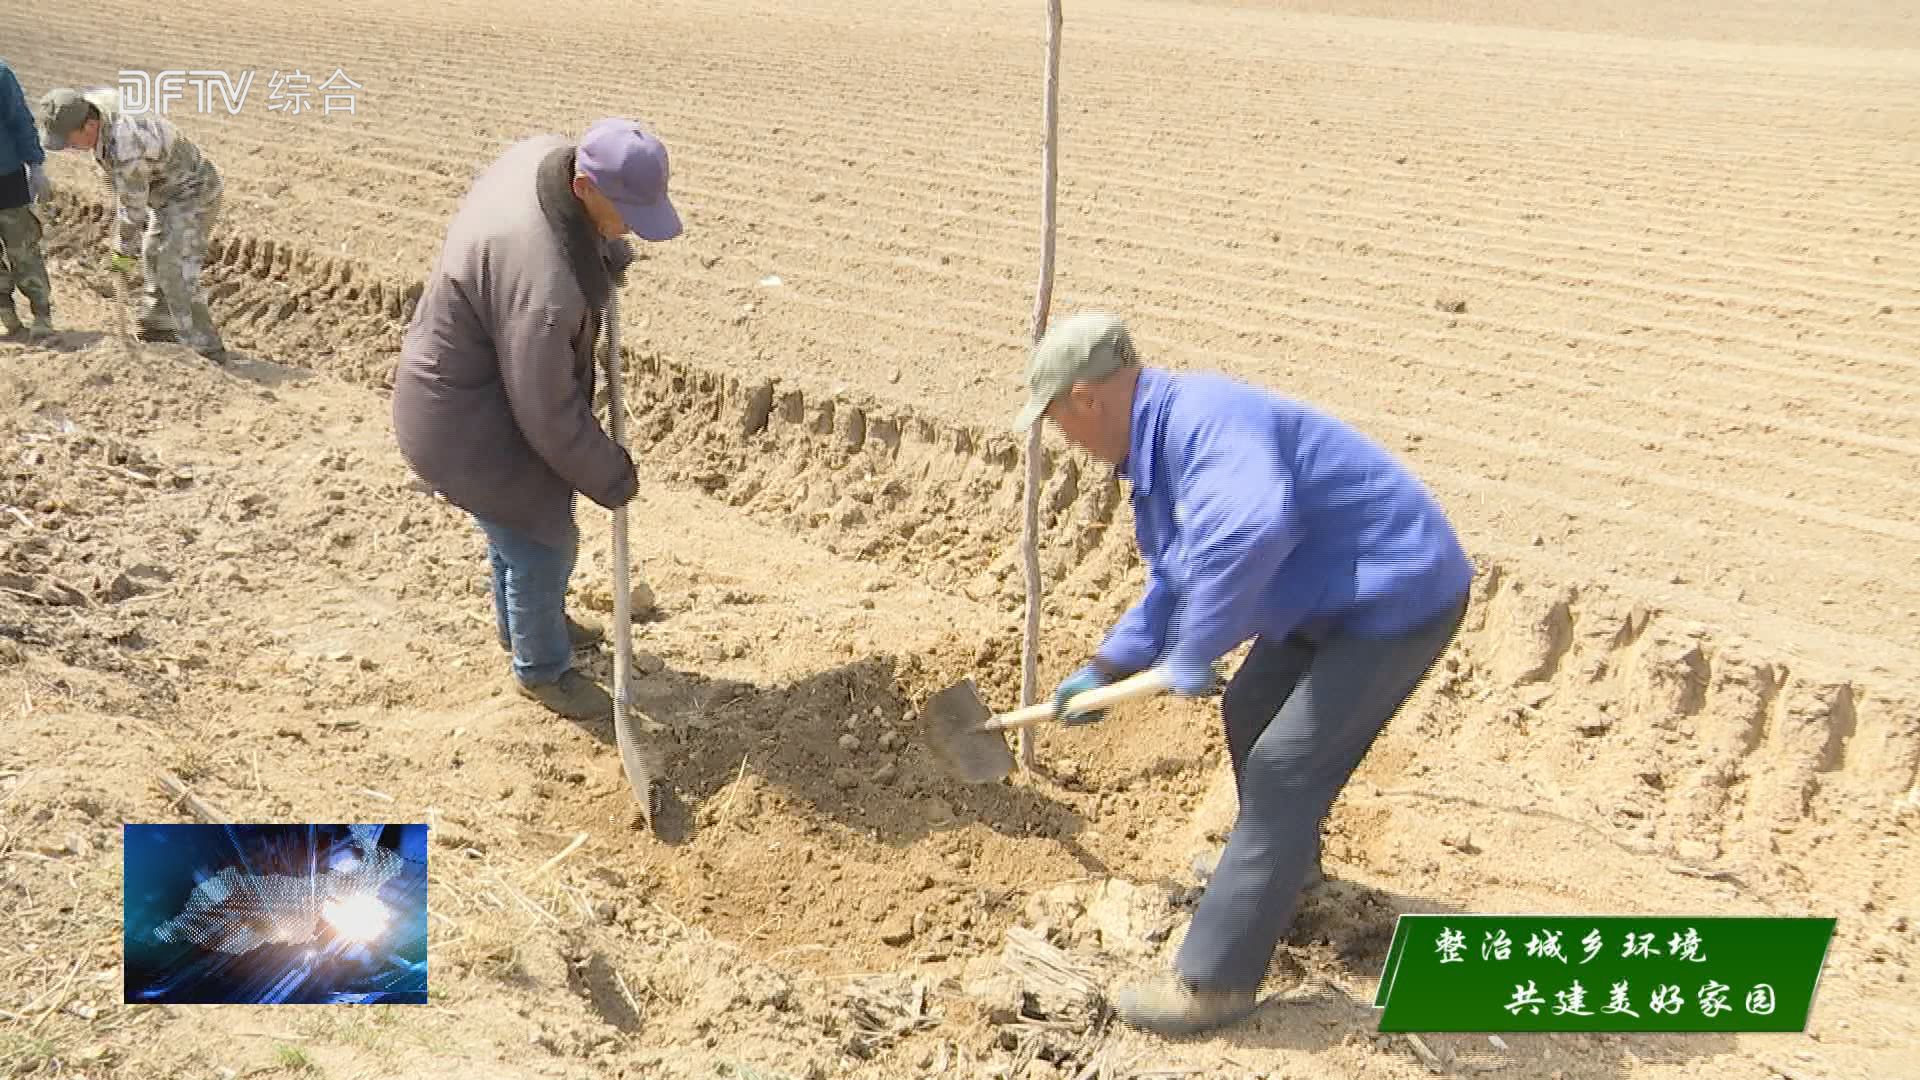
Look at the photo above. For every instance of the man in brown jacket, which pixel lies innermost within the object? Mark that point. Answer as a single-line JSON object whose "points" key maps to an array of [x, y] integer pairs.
{"points": [[493, 395]]}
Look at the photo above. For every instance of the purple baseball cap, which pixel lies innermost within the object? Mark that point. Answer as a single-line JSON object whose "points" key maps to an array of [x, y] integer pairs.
{"points": [[629, 166]]}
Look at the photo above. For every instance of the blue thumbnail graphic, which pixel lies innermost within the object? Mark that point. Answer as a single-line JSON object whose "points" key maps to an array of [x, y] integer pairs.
{"points": [[276, 914]]}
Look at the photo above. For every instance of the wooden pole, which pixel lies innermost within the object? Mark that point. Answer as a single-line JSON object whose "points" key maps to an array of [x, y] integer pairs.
{"points": [[1043, 298]]}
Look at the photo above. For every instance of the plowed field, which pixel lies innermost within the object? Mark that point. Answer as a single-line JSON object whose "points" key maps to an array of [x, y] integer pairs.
{"points": [[1636, 289]]}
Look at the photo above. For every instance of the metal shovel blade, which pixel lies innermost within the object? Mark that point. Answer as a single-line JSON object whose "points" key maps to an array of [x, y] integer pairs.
{"points": [[951, 725]]}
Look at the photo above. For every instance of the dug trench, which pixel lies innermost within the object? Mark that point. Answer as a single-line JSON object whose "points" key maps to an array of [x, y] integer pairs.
{"points": [[224, 573]]}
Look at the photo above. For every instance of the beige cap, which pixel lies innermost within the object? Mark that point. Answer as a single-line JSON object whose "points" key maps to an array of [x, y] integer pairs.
{"points": [[1081, 348]]}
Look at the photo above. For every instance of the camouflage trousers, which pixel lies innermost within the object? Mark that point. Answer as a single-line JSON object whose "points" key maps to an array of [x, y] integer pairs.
{"points": [[23, 265], [172, 254]]}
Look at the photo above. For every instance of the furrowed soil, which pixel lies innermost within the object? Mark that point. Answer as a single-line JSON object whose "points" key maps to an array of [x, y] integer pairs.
{"points": [[1636, 290]]}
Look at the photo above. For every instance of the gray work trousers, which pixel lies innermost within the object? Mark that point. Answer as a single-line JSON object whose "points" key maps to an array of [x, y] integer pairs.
{"points": [[1300, 715]]}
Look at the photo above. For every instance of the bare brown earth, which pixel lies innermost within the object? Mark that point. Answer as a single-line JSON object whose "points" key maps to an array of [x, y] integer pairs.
{"points": [[1635, 289]]}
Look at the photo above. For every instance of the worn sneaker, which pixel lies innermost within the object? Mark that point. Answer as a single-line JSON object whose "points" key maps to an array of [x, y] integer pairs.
{"points": [[579, 635], [10, 325], [572, 695], [1168, 1005], [42, 327]]}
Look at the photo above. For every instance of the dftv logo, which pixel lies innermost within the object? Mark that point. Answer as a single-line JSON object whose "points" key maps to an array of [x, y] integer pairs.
{"points": [[141, 92]]}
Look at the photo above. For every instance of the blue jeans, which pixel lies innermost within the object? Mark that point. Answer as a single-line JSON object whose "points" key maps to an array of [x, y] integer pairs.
{"points": [[1300, 715], [530, 600]]}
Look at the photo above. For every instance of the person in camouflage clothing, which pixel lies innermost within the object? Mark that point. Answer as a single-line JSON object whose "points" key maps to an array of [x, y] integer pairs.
{"points": [[23, 182], [168, 195]]}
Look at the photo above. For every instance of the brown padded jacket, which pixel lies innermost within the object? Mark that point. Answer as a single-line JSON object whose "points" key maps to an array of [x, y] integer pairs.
{"points": [[493, 392]]}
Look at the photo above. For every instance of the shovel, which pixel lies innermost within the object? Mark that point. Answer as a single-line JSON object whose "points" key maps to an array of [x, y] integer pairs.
{"points": [[969, 742], [636, 758], [129, 336]]}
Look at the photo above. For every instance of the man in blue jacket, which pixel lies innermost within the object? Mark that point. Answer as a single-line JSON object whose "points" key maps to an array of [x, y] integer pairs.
{"points": [[23, 182], [1258, 517]]}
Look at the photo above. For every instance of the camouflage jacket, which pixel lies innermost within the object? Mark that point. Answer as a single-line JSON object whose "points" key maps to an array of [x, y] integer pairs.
{"points": [[149, 163]]}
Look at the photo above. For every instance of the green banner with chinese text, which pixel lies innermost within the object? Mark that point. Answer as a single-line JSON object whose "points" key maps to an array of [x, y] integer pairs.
{"points": [[1490, 973]]}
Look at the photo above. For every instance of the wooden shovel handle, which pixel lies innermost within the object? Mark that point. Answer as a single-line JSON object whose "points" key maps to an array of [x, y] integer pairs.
{"points": [[1133, 688]]}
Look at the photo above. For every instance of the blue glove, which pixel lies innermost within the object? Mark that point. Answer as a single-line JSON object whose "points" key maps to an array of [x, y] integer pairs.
{"points": [[1195, 680], [1087, 678]]}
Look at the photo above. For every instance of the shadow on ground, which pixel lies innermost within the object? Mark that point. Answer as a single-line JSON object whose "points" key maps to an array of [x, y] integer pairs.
{"points": [[60, 341], [265, 372]]}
